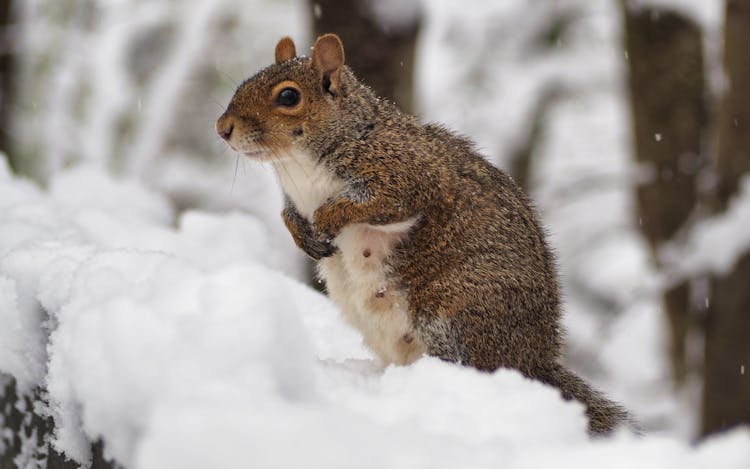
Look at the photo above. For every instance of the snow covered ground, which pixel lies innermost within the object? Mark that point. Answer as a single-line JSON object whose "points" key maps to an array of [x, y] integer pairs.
{"points": [[181, 345]]}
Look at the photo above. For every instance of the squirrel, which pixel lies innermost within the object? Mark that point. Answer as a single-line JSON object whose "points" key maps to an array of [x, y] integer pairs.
{"points": [[425, 246]]}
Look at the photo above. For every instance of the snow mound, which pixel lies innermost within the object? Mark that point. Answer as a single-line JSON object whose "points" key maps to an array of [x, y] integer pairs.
{"points": [[157, 331], [186, 347], [87, 187]]}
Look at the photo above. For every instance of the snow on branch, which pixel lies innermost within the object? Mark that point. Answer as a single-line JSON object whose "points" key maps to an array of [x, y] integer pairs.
{"points": [[713, 245], [169, 85]]}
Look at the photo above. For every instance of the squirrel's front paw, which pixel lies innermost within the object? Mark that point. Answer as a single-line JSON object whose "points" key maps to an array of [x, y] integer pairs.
{"points": [[302, 233], [318, 250], [326, 223]]}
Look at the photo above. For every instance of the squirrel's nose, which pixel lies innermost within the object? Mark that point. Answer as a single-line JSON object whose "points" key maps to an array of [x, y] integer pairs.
{"points": [[224, 127]]}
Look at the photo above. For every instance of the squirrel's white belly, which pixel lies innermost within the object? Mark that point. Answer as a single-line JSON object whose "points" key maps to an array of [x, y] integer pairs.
{"points": [[356, 276], [359, 282]]}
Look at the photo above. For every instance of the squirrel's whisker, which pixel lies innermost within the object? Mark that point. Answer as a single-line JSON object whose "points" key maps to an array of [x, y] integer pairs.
{"points": [[236, 165], [236, 84]]}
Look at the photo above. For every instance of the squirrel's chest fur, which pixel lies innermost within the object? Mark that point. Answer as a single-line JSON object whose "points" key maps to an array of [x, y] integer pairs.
{"points": [[358, 277]]}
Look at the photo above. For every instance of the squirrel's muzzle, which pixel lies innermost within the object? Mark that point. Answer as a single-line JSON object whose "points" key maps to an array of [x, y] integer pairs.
{"points": [[225, 126]]}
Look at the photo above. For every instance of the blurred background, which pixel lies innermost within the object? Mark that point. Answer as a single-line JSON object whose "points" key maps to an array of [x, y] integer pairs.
{"points": [[628, 122]]}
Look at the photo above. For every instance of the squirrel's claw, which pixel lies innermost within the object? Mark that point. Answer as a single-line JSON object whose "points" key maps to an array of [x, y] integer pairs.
{"points": [[317, 250]]}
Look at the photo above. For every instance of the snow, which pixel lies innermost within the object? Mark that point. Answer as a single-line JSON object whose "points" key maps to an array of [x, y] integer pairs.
{"points": [[713, 244], [151, 348], [159, 331], [85, 186]]}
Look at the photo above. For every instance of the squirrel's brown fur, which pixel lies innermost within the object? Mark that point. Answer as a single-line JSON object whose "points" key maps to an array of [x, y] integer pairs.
{"points": [[471, 269]]}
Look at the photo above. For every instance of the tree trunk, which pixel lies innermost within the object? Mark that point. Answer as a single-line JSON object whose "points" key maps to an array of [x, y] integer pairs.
{"points": [[6, 79], [381, 55], [26, 444], [726, 392], [666, 84]]}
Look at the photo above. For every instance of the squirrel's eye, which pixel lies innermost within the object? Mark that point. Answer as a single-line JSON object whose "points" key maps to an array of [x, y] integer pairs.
{"points": [[288, 97]]}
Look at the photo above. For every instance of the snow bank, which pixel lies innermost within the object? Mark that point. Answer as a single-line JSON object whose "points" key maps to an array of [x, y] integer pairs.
{"points": [[145, 330], [88, 188], [178, 359]]}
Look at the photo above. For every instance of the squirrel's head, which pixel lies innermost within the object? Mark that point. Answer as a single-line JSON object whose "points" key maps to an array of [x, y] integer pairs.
{"points": [[286, 104]]}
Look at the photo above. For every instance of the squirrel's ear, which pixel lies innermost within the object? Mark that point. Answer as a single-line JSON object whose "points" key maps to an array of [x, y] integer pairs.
{"points": [[285, 50], [328, 58]]}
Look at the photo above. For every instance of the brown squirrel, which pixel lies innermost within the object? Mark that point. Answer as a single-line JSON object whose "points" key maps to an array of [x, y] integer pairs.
{"points": [[425, 246]]}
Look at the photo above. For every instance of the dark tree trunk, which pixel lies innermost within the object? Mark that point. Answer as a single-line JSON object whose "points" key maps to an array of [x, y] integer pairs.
{"points": [[18, 417], [666, 85], [381, 55], [6, 78], [18, 414], [726, 392]]}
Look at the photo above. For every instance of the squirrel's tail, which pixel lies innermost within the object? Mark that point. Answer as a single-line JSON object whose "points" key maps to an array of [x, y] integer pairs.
{"points": [[604, 415]]}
